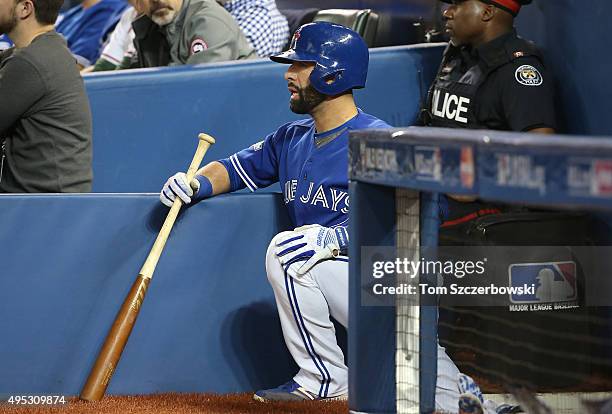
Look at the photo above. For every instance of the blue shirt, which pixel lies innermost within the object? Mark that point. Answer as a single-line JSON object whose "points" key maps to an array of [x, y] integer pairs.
{"points": [[5, 42], [84, 29], [311, 168]]}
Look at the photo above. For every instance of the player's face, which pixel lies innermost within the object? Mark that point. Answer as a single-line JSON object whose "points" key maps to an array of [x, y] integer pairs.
{"points": [[304, 98], [463, 21], [162, 12], [8, 16]]}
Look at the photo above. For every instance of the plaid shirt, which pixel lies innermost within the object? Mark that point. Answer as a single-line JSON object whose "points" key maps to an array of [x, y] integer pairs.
{"points": [[263, 25]]}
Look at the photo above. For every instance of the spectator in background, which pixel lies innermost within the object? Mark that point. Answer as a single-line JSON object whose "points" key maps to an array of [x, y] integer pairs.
{"points": [[262, 24], [45, 120], [178, 32], [120, 46], [5, 43], [85, 26], [260, 21]]}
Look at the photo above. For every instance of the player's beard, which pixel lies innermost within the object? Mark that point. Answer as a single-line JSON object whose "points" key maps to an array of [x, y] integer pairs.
{"points": [[309, 99], [9, 24]]}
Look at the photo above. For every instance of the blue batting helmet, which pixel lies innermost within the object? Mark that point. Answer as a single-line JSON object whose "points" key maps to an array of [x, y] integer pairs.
{"points": [[340, 54]]}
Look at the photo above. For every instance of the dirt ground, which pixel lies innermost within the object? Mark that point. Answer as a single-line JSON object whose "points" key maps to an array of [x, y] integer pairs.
{"points": [[180, 404]]}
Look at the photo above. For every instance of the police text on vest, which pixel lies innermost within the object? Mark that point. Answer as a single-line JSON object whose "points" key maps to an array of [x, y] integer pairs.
{"points": [[452, 108]]}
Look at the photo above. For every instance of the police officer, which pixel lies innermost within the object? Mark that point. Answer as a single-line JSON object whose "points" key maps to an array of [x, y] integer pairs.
{"points": [[490, 78]]}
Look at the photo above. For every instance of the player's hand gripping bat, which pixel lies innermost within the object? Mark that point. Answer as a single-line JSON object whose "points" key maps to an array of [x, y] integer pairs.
{"points": [[107, 360]]}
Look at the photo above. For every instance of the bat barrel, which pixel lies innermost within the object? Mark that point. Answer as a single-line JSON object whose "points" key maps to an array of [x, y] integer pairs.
{"points": [[105, 364]]}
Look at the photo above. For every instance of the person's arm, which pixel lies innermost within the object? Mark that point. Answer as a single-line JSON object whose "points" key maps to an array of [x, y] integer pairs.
{"points": [[101, 65], [211, 180], [118, 44], [212, 38], [20, 87], [542, 131], [253, 167], [527, 102], [527, 96], [87, 46], [218, 176]]}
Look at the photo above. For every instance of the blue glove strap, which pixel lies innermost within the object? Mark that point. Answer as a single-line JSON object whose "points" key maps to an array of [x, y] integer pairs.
{"points": [[343, 239], [204, 191]]}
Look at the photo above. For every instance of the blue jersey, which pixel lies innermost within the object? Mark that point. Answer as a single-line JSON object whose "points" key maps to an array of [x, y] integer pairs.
{"points": [[84, 29], [311, 168]]}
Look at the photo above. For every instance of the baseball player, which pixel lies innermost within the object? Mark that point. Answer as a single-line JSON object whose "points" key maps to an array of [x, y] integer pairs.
{"points": [[308, 267]]}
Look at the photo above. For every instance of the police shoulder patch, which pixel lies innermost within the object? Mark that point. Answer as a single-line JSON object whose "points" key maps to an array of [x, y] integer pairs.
{"points": [[528, 75], [197, 45], [257, 146]]}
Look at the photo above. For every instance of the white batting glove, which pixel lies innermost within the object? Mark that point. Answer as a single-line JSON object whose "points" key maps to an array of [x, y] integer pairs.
{"points": [[311, 244], [177, 186]]}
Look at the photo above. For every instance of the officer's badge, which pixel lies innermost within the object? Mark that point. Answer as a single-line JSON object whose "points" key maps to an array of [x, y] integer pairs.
{"points": [[197, 45], [529, 76], [257, 146]]}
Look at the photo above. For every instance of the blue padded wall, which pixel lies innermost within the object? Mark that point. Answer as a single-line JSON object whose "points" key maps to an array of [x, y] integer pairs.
{"points": [[576, 43], [146, 121], [209, 322]]}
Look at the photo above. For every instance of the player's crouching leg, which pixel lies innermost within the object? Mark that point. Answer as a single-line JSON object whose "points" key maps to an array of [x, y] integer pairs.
{"points": [[274, 269]]}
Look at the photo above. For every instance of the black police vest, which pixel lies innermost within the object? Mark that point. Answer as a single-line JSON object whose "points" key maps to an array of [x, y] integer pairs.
{"points": [[451, 101]]}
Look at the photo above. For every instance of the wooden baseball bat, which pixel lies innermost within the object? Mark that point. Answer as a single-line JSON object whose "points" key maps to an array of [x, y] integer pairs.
{"points": [[115, 341]]}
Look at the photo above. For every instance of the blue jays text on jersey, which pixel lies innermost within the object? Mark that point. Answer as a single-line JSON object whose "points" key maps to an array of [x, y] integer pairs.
{"points": [[312, 169]]}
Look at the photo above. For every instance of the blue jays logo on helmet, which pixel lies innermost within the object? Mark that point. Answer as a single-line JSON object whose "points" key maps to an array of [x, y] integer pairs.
{"points": [[340, 55], [296, 37]]}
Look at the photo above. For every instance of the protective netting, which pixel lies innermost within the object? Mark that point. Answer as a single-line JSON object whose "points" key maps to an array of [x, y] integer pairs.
{"points": [[407, 306]]}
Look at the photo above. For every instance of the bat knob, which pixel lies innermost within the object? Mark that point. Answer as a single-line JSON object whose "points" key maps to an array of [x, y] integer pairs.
{"points": [[207, 138]]}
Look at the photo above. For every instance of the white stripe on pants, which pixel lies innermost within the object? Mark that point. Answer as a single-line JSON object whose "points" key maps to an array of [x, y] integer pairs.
{"points": [[304, 305]]}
